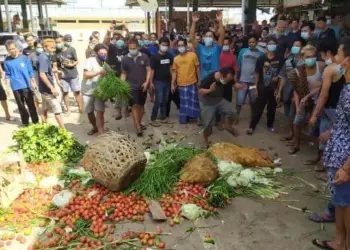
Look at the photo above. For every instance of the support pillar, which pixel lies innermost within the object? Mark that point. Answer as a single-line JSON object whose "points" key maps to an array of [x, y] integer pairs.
{"points": [[158, 24], [8, 16], [170, 16], [31, 15], [251, 11], [24, 15], [47, 23], [1, 22], [148, 22], [188, 16], [195, 5], [41, 16]]}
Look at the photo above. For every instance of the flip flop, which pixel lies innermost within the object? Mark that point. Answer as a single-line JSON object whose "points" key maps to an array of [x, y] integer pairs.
{"points": [[92, 132], [320, 219], [323, 244]]}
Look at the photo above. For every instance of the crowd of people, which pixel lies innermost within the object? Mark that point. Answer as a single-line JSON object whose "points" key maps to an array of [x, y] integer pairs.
{"points": [[302, 66]]}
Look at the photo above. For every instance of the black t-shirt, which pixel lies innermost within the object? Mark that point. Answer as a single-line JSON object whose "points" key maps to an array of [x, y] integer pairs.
{"points": [[115, 56], [68, 55], [161, 64], [27, 51], [327, 34], [215, 96], [268, 69]]}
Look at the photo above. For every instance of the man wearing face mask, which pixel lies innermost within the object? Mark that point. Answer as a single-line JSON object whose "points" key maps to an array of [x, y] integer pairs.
{"points": [[326, 32], [142, 48], [283, 42], [68, 66], [273, 23], [294, 60], [153, 47], [228, 59], [161, 81], [307, 33], [269, 86], [209, 53], [294, 34], [213, 102], [262, 42], [136, 71]]}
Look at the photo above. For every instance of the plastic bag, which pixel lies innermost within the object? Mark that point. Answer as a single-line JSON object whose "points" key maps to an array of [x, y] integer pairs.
{"points": [[49, 182], [62, 198], [84, 175], [191, 211]]}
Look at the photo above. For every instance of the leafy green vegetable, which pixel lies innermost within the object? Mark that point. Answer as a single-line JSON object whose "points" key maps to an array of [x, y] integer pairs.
{"points": [[219, 192], [110, 86], [162, 172], [47, 143]]}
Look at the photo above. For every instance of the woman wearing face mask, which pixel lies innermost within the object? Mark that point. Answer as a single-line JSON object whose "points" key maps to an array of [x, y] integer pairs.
{"points": [[337, 157], [209, 53], [92, 71], [269, 86], [294, 60], [306, 81], [211, 90]]}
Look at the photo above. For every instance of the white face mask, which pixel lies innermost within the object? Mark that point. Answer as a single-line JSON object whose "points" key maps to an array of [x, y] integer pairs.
{"points": [[223, 82], [164, 48]]}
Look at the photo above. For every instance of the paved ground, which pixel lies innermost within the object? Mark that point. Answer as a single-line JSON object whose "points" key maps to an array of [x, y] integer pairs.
{"points": [[247, 223]]}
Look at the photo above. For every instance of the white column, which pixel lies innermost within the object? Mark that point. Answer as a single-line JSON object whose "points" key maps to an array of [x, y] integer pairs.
{"points": [[31, 15], [188, 16], [243, 16], [8, 17], [166, 13]]}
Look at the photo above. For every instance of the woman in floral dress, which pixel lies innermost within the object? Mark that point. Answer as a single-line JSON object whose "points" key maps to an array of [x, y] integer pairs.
{"points": [[337, 158]]}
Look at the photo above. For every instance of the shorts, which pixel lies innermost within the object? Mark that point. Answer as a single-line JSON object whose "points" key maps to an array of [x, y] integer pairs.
{"points": [[303, 116], [327, 118], [138, 97], [49, 102], [3, 96], [242, 94], [92, 104], [209, 112], [289, 110], [340, 193], [72, 83]]}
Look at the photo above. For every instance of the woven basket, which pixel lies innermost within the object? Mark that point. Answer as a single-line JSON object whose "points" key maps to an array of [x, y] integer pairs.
{"points": [[114, 161]]}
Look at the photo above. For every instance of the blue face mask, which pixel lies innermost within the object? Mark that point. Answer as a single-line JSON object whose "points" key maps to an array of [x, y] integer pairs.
{"points": [[120, 43], [147, 42], [39, 50], [102, 58], [182, 50], [208, 41], [225, 48], [271, 47], [310, 61], [339, 70], [329, 22], [68, 44], [59, 46], [295, 50], [305, 35], [134, 52]]}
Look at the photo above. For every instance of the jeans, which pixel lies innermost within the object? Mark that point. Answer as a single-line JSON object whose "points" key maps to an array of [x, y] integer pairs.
{"points": [[25, 97], [242, 94], [327, 118], [162, 90]]}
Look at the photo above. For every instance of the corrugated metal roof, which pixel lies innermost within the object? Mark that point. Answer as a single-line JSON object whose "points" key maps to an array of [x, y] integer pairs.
{"points": [[211, 3], [49, 2]]}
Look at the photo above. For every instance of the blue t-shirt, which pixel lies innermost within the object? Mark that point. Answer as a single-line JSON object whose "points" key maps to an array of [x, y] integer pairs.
{"points": [[209, 58], [44, 66], [18, 70]]}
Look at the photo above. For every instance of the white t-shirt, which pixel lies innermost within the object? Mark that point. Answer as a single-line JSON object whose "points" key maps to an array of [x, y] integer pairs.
{"points": [[88, 85]]}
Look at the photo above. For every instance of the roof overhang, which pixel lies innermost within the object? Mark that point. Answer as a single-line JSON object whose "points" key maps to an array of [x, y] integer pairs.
{"points": [[49, 2], [210, 3]]}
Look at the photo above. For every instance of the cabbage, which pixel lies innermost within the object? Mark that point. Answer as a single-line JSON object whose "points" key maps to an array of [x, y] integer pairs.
{"points": [[242, 181], [248, 174], [229, 167], [277, 170], [191, 211], [231, 180]]}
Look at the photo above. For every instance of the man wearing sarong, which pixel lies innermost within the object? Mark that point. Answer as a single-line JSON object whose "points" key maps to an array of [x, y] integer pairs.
{"points": [[185, 76]]}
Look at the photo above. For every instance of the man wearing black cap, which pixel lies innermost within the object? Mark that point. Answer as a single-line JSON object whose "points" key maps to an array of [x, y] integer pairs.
{"points": [[68, 66]]}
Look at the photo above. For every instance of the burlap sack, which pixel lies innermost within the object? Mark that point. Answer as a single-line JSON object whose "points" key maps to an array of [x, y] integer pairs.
{"points": [[247, 157], [199, 170]]}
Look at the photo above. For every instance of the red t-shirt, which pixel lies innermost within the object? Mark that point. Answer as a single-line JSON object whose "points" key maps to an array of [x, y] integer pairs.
{"points": [[228, 59]]}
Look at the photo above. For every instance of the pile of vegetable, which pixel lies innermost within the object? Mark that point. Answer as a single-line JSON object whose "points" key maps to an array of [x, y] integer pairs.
{"points": [[110, 86], [47, 143], [162, 171]]}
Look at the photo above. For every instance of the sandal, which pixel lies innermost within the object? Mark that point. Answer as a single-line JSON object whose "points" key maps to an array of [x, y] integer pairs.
{"points": [[293, 150], [92, 132], [322, 244], [320, 168], [139, 133], [118, 117], [143, 127], [321, 219]]}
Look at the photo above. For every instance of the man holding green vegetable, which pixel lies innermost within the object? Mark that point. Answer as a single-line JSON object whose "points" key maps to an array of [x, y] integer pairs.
{"points": [[136, 71]]}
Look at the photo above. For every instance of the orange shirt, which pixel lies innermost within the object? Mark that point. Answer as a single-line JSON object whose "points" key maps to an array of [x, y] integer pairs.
{"points": [[185, 67]]}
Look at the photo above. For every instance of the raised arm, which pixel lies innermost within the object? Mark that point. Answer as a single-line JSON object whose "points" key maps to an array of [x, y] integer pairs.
{"points": [[221, 28], [195, 19]]}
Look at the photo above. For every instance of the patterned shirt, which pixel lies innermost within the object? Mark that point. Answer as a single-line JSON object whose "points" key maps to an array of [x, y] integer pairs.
{"points": [[338, 147]]}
